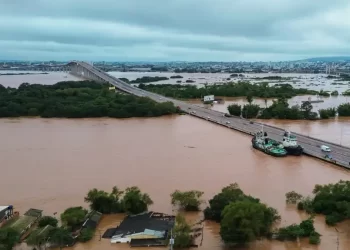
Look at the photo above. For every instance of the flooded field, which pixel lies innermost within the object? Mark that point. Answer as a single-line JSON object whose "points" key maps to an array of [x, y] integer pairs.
{"points": [[51, 164]]}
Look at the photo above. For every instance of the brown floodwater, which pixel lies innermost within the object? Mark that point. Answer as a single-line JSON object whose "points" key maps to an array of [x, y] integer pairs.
{"points": [[51, 164]]}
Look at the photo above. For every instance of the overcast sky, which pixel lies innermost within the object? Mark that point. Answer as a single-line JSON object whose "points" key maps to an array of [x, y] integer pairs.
{"points": [[168, 30]]}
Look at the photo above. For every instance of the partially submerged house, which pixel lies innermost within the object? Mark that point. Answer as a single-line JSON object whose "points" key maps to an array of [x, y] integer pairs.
{"points": [[146, 229], [92, 220], [6, 212], [23, 223]]}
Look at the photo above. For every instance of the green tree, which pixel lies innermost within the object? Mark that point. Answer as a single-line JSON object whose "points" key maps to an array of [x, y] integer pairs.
{"points": [[250, 98], [86, 234], [48, 220], [182, 232], [104, 202], [306, 107], [293, 197], [235, 109], [187, 200], [60, 237], [250, 110], [134, 201], [8, 238], [74, 217], [245, 221], [228, 194], [344, 109]]}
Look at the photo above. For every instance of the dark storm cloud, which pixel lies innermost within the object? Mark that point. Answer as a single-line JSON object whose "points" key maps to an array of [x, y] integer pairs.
{"points": [[175, 30]]}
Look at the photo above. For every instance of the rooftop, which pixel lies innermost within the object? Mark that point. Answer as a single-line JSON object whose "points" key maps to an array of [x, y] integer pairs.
{"points": [[145, 222]]}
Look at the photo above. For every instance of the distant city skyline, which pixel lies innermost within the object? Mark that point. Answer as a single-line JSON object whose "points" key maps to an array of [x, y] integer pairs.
{"points": [[161, 31]]}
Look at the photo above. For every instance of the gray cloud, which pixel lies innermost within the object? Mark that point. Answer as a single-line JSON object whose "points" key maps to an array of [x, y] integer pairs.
{"points": [[221, 30]]}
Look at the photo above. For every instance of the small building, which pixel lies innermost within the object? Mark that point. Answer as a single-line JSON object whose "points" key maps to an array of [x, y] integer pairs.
{"points": [[93, 219], [146, 229], [6, 212]]}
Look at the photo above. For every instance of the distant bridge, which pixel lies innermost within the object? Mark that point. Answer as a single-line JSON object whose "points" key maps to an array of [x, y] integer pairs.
{"points": [[340, 154]]}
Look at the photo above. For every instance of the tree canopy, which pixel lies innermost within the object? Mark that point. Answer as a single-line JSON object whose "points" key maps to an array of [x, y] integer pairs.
{"points": [[9, 237], [73, 217], [134, 201], [245, 221], [228, 194], [228, 89], [331, 200], [104, 202], [187, 200], [77, 100], [48, 220], [182, 232]]}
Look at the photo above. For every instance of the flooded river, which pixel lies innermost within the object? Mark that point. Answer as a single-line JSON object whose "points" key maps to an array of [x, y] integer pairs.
{"points": [[51, 164]]}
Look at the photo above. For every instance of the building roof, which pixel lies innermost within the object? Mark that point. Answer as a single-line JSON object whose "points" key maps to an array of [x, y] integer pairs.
{"points": [[144, 223], [2, 208], [93, 220]]}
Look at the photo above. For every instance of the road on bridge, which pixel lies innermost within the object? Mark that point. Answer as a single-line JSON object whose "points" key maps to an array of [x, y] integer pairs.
{"points": [[340, 154]]}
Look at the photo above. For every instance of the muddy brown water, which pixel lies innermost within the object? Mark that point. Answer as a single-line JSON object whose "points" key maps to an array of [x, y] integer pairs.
{"points": [[51, 164]]}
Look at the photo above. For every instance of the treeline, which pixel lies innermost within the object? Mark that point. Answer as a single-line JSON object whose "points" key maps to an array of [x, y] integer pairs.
{"points": [[73, 99], [280, 109], [239, 89]]}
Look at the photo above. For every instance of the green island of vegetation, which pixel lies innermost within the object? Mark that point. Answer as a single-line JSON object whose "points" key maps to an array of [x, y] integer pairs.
{"points": [[239, 89], [79, 99], [243, 218]]}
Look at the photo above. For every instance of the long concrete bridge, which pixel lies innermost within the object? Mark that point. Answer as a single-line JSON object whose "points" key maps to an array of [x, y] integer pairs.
{"points": [[340, 154]]}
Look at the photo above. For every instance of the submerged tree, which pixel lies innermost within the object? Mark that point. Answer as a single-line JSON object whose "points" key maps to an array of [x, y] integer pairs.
{"points": [[231, 193], [104, 202], [60, 237], [245, 221], [73, 217], [48, 220], [293, 197], [182, 233], [9, 237], [134, 201], [187, 200]]}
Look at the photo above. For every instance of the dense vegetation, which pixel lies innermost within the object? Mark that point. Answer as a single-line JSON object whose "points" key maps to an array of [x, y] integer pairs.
{"points": [[72, 218], [76, 100], [132, 200], [230, 90], [280, 110], [327, 113], [182, 232], [331, 200], [231, 193], [242, 217], [344, 109], [294, 232], [47, 220], [188, 200], [9, 237]]}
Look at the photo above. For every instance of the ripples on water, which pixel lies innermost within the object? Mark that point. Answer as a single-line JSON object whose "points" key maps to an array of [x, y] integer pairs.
{"points": [[51, 164]]}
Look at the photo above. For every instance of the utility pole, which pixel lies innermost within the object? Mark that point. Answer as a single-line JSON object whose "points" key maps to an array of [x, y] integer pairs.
{"points": [[171, 240]]}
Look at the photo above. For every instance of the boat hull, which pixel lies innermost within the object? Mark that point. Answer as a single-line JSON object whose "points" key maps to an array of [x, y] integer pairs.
{"points": [[297, 151], [266, 151]]}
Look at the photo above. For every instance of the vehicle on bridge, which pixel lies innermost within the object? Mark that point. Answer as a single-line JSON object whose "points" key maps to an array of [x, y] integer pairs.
{"points": [[261, 142], [325, 148]]}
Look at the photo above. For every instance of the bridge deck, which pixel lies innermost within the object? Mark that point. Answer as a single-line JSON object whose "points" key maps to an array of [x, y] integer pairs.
{"points": [[340, 154]]}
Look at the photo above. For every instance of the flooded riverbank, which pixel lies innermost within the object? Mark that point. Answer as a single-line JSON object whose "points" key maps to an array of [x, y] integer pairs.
{"points": [[51, 164]]}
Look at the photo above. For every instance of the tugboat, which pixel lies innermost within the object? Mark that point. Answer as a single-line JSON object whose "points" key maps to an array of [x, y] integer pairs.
{"points": [[261, 142], [291, 145]]}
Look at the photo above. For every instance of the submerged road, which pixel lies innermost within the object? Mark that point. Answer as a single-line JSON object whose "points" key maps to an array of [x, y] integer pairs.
{"points": [[340, 154]]}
